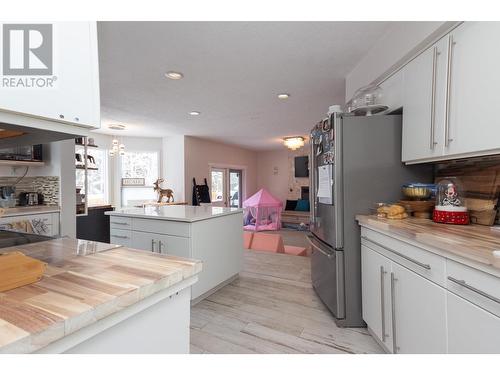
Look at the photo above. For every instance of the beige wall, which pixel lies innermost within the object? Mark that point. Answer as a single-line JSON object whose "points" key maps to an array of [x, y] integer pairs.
{"points": [[275, 172], [201, 153]]}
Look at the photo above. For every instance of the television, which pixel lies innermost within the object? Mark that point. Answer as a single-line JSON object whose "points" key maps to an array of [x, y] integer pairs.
{"points": [[302, 166]]}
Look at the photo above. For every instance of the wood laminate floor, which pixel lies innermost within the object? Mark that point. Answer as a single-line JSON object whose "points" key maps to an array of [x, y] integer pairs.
{"points": [[272, 308]]}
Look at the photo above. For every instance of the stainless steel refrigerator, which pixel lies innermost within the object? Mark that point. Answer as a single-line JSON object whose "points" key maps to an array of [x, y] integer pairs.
{"points": [[355, 162]]}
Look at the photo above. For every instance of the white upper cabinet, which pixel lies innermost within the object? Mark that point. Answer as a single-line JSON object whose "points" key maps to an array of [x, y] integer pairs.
{"points": [[474, 84], [449, 96], [423, 103], [51, 72]]}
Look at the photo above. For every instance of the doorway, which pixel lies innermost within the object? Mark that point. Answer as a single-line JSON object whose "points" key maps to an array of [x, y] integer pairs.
{"points": [[226, 187]]}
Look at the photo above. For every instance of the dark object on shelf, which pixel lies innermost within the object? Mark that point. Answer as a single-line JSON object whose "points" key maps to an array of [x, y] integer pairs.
{"points": [[22, 153], [201, 193], [302, 205], [302, 166], [95, 225], [290, 205], [30, 199]]}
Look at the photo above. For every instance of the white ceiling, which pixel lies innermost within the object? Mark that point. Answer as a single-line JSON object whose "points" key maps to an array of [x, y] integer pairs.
{"points": [[232, 73]]}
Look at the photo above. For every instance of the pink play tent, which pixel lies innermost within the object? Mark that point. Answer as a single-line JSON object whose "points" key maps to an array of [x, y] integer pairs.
{"points": [[262, 212]]}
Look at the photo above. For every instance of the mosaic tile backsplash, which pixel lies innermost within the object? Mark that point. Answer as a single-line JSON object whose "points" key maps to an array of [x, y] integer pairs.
{"points": [[47, 185]]}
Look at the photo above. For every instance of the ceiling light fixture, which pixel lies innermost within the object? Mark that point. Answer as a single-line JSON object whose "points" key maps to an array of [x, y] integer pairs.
{"points": [[174, 75], [194, 113], [294, 143], [116, 127], [283, 95]]}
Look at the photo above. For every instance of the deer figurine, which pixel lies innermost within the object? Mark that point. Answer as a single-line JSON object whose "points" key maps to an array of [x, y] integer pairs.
{"points": [[163, 192]]}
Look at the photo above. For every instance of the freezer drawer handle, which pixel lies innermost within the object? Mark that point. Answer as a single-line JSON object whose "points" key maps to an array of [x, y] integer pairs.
{"points": [[423, 265], [319, 249], [467, 286]]}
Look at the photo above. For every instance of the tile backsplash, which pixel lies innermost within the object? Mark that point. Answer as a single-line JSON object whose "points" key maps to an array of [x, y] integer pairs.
{"points": [[47, 185]]}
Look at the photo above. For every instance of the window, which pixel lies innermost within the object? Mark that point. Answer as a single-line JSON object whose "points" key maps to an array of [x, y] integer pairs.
{"points": [[139, 164], [97, 179]]}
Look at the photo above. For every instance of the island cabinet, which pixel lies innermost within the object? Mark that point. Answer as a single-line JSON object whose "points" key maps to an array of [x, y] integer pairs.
{"points": [[449, 96], [214, 238], [418, 301]]}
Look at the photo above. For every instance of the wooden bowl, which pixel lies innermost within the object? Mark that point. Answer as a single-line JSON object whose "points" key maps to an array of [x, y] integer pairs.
{"points": [[420, 209]]}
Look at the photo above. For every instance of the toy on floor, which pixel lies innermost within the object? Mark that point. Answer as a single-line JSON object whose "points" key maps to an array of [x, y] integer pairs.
{"points": [[271, 242], [262, 212]]}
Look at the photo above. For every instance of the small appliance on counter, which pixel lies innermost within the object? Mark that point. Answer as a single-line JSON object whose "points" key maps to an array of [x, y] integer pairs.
{"points": [[30, 199], [450, 203]]}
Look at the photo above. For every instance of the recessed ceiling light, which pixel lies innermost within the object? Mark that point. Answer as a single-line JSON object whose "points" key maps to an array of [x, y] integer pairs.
{"points": [[116, 127], [283, 95], [174, 75], [194, 113]]}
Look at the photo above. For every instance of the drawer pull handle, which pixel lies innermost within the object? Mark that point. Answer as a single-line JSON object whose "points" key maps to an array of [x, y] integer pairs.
{"points": [[423, 265], [118, 223], [117, 236], [467, 286], [382, 302]]}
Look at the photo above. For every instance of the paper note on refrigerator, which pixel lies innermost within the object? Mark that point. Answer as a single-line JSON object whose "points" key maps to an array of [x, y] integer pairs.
{"points": [[325, 184]]}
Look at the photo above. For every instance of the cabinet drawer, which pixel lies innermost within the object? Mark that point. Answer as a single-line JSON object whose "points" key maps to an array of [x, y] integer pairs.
{"points": [[121, 237], [172, 228], [424, 263], [119, 222], [473, 285]]}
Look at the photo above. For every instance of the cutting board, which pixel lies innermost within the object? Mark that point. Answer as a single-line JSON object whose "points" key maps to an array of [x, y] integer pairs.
{"points": [[17, 269]]}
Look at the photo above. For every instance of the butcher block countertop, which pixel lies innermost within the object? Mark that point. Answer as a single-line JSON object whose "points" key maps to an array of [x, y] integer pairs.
{"points": [[85, 281], [473, 242]]}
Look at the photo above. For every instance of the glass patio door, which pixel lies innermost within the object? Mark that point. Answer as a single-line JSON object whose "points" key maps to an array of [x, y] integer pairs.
{"points": [[226, 187]]}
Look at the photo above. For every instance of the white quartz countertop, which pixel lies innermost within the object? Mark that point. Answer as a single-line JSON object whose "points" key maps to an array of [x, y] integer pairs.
{"points": [[176, 213]]}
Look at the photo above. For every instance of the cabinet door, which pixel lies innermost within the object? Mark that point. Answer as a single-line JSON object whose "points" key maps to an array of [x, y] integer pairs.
{"points": [[470, 328], [174, 245], [146, 241], [419, 313], [423, 99], [73, 94], [474, 81], [375, 271]]}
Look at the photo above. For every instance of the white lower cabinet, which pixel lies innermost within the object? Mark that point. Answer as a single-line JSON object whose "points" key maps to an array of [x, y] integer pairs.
{"points": [[160, 243], [470, 328], [409, 308], [376, 302], [418, 313], [406, 312]]}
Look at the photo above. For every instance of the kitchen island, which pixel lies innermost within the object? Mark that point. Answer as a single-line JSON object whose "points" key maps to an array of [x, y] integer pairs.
{"points": [[99, 298], [213, 235]]}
